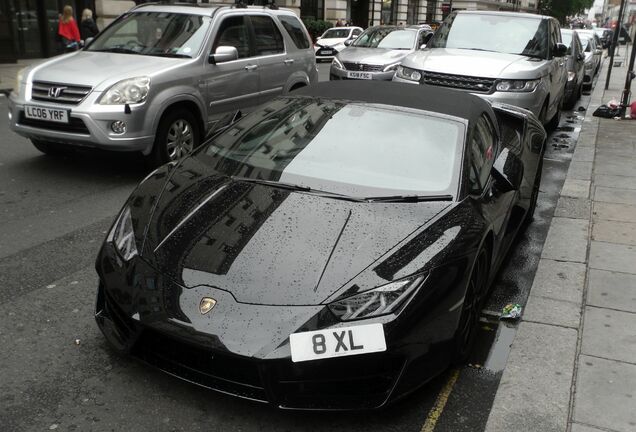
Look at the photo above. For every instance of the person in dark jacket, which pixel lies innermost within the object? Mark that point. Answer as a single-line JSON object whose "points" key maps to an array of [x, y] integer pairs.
{"points": [[88, 28]]}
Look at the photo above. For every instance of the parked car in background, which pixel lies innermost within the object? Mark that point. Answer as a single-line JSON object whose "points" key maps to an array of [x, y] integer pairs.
{"points": [[333, 41], [514, 58], [377, 52], [161, 77], [605, 35], [592, 59], [331, 250], [575, 67]]}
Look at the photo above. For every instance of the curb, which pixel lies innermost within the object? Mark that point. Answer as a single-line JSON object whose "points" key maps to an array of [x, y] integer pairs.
{"points": [[536, 387]]}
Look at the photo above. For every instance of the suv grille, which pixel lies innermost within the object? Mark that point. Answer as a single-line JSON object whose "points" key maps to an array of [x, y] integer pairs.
{"points": [[361, 67], [69, 94], [476, 84]]}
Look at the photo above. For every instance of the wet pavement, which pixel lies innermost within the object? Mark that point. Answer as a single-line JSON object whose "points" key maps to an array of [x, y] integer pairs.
{"points": [[51, 383]]}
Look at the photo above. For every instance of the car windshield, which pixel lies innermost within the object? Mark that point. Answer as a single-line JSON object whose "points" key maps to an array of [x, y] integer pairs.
{"points": [[566, 38], [346, 148], [154, 33], [389, 38], [498, 33], [336, 33]]}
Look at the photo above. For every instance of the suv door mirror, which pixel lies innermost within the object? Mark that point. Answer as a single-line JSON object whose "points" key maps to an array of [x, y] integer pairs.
{"points": [[348, 42], [428, 37], [223, 54], [560, 50], [507, 171]]}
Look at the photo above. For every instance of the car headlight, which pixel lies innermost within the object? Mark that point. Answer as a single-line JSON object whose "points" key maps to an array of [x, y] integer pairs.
{"points": [[391, 67], [571, 76], [337, 63], [517, 85], [408, 73], [132, 90], [19, 77], [122, 236], [378, 301]]}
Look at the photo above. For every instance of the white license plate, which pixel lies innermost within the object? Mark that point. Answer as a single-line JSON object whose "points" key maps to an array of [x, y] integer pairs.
{"points": [[337, 342], [326, 52], [359, 75], [47, 114]]}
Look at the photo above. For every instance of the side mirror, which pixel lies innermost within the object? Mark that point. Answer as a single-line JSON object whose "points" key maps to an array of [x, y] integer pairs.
{"points": [[428, 37], [348, 42], [223, 54], [507, 171], [581, 56], [560, 50]]}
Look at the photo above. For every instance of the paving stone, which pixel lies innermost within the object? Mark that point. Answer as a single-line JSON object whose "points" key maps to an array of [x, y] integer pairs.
{"points": [[606, 394], [613, 257], [610, 334], [583, 154], [576, 427], [580, 170], [576, 188], [577, 208], [566, 240], [614, 232], [534, 390], [550, 311], [559, 280], [611, 211], [615, 165], [615, 195], [612, 290]]}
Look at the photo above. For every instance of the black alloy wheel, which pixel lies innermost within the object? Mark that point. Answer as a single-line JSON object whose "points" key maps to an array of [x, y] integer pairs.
{"points": [[471, 308]]}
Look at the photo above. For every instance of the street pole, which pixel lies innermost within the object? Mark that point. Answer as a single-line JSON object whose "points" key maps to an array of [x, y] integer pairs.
{"points": [[614, 43], [628, 81]]}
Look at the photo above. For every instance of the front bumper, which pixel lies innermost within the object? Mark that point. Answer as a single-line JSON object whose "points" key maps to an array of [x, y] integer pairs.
{"points": [[89, 125], [243, 350], [325, 53]]}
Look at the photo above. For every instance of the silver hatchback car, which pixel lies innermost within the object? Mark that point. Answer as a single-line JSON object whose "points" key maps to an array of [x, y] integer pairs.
{"points": [[161, 78]]}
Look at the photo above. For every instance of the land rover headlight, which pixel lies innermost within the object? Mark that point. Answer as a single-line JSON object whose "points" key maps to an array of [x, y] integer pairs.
{"points": [[122, 236], [408, 73], [517, 85], [128, 91], [377, 301]]}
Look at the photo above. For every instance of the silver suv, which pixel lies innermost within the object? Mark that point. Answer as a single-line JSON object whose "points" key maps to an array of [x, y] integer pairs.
{"points": [[512, 58], [162, 77]]}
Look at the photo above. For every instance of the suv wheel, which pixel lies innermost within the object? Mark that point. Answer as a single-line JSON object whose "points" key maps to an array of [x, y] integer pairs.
{"points": [[177, 135]]}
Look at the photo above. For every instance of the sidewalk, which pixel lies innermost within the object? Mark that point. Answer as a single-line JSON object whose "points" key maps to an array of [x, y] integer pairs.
{"points": [[572, 366], [8, 72]]}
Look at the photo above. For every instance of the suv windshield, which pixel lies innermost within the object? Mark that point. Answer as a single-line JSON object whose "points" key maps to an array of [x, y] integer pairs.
{"points": [[498, 33], [336, 33], [154, 33], [389, 38], [352, 149]]}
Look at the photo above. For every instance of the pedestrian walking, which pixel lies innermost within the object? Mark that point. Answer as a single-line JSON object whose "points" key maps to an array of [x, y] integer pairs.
{"points": [[88, 28], [67, 31]]}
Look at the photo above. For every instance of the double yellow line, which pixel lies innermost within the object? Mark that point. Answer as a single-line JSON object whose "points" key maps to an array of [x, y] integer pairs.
{"points": [[436, 411]]}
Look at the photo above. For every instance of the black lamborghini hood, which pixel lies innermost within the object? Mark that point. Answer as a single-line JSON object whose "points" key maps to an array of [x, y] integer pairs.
{"points": [[267, 245]]}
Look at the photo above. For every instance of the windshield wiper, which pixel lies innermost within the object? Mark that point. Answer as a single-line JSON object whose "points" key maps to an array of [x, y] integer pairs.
{"points": [[478, 49], [297, 188], [120, 50], [409, 198], [175, 55]]}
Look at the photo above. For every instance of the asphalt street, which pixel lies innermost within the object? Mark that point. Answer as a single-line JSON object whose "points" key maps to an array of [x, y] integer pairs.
{"points": [[57, 373]]}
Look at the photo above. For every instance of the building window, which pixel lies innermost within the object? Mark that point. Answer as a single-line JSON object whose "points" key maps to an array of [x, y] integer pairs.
{"points": [[411, 11], [431, 9], [389, 9], [312, 9]]}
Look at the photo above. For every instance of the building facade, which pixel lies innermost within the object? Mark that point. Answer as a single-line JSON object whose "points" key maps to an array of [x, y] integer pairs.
{"points": [[28, 28]]}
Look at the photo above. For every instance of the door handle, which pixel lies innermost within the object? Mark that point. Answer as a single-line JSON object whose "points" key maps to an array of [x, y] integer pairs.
{"points": [[250, 67], [288, 61]]}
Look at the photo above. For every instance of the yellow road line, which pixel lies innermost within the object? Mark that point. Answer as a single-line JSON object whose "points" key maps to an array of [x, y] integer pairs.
{"points": [[436, 411]]}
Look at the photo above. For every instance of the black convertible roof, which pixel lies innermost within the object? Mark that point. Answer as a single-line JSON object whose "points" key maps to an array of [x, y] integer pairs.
{"points": [[451, 102]]}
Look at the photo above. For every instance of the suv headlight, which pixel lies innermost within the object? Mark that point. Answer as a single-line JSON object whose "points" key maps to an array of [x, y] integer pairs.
{"points": [[378, 301], [132, 90], [19, 77], [517, 85], [408, 73], [337, 63], [122, 236]]}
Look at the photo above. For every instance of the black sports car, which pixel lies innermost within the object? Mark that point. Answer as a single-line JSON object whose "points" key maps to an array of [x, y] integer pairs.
{"points": [[330, 250]]}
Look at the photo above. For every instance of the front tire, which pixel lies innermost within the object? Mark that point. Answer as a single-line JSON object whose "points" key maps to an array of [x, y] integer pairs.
{"points": [[177, 135], [468, 326]]}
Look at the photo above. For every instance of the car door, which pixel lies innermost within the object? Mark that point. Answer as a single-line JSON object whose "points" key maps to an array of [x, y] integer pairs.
{"points": [[232, 85], [274, 65], [558, 72]]}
